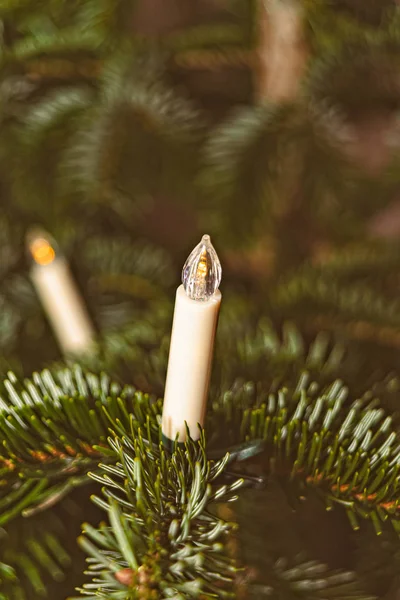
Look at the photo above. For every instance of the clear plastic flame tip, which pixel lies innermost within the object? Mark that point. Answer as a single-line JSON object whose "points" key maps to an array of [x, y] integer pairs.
{"points": [[201, 273]]}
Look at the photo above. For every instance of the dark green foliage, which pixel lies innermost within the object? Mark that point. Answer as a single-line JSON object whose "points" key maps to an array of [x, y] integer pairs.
{"points": [[331, 24], [138, 141], [369, 82], [41, 549], [109, 20], [48, 125], [353, 291], [378, 561], [371, 12], [36, 552], [314, 289], [249, 157]]}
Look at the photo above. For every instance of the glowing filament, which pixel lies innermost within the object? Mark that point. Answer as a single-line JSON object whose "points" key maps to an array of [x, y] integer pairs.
{"points": [[42, 251], [201, 274]]}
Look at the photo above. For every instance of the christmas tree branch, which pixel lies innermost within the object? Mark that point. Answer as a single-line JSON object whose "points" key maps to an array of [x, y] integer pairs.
{"points": [[250, 156], [350, 456], [52, 428], [164, 538]]}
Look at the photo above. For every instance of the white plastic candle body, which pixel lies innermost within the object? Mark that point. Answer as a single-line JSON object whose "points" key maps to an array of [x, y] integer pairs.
{"points": [[63, 305], [189, 365]]}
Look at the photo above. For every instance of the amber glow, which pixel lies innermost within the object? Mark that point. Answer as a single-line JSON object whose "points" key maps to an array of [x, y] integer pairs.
{"points": [[42, 251], [202, 266]]}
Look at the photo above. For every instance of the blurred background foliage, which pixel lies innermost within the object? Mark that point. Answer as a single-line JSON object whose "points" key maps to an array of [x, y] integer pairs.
{"points": [[129, 128]]}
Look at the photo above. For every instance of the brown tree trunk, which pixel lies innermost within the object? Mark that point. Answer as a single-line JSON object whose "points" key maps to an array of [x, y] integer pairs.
{"points": [[282, 50]]}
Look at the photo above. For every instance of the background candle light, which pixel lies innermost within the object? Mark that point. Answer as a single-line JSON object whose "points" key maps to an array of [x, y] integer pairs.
{"points": [[197, 305], [59, 295]]}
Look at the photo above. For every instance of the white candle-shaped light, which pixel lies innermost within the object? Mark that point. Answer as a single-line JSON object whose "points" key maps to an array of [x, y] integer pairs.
{"points": [[59, 295], [197, 305]]}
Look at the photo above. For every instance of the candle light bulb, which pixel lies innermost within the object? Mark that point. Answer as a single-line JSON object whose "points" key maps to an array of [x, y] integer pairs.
{"points": [[42, 251], [197, 305], [201, 273], [59, 294], [41, 247]]}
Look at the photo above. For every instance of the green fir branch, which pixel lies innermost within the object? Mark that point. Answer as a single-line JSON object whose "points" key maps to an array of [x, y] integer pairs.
{"points": [[57, 43], [368, 67], [110, 21], [40, 153], [308, 580], [350, 456], [52, 428], [140, 139], [316, 295], [333, 24], [35, 550], [163, 541], [250, 155], [136, 269]]}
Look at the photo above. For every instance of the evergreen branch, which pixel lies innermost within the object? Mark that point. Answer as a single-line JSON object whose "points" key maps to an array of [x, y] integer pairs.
{"points": [[163, 539], [45, 124], [62, 420], [368, 260], [350, 456], [128, 344], [136, 269], [48, 114], [371, 67], [310, 580], [141, 136], [330, 28], [54, 43], [35, 551], [317, 293], [280, 358], [109, 20], [250, 155], [233, 167]]}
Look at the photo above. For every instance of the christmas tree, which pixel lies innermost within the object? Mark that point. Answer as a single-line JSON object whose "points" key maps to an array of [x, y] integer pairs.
{"points": [[128, 130]]}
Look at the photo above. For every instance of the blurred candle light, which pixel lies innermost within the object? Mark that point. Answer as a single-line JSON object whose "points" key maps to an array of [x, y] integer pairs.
{"points": [[197, 305], [59, 295]]}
